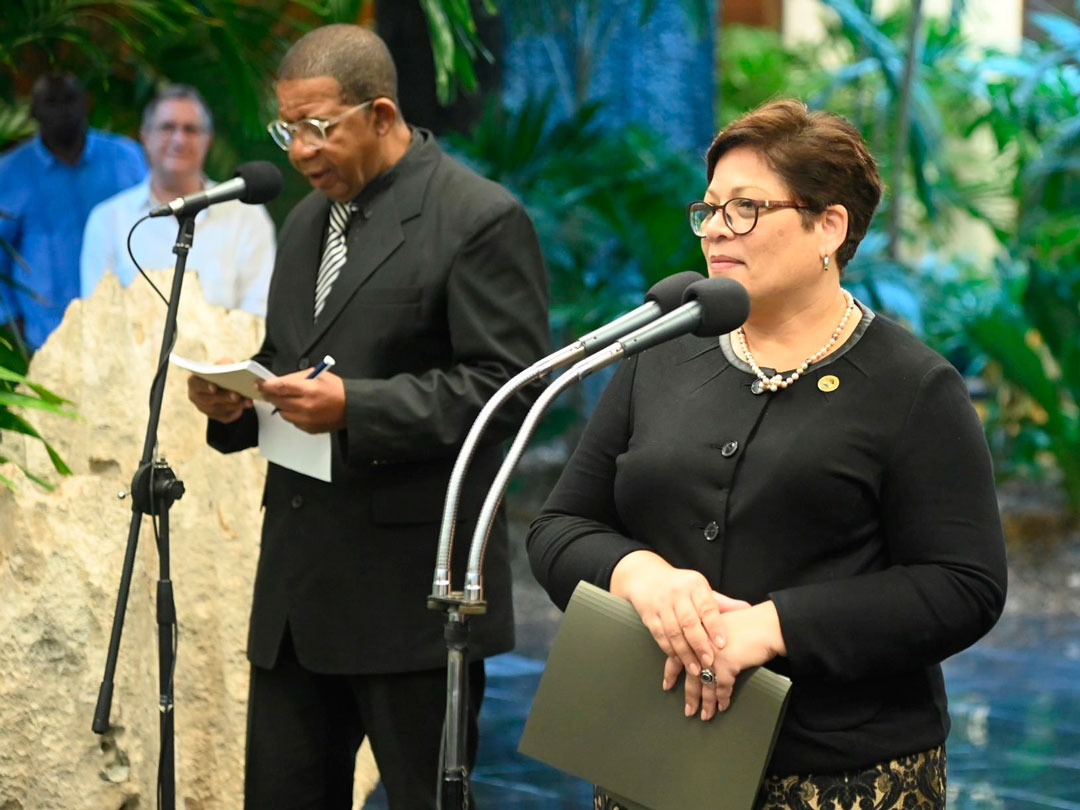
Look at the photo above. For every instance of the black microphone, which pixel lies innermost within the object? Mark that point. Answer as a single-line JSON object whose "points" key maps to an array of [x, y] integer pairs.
{"points": [[256, 182], [712, 307], [662, 297]]}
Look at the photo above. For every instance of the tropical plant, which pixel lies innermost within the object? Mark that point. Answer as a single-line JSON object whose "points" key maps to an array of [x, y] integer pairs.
{"points": [[936, 96], [28, 396], [756, 64], [607, 205], [455, 44], [1030, 327], [15, 121]]}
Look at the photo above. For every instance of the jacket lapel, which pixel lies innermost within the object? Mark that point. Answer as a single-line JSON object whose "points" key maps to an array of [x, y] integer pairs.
{"points": [[368, 247], [371, 243]]}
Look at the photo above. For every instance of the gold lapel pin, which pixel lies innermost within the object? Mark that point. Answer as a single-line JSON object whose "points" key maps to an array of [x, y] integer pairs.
{"points": [[828, 383]]}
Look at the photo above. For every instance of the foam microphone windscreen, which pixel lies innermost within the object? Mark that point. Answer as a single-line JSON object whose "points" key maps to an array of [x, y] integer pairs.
{"points": [[724, 305], [668, 292], [262, 181]]}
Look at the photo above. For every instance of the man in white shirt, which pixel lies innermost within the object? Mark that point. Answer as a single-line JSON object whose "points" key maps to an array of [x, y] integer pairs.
{"points": [[233, 249]]}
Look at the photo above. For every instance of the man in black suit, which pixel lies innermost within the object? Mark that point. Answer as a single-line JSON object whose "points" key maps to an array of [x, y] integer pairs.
{"points": [[425, 282]]}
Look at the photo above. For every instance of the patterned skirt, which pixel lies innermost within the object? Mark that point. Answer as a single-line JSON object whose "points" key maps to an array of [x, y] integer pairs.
{"points": [[913, 782]]}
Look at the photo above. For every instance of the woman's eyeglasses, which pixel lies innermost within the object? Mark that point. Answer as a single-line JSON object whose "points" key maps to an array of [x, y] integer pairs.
{"points": [[740, 213]]}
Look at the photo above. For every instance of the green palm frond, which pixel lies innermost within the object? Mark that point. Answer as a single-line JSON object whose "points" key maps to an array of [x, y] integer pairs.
{"points": [[41, 399], [15, 122]]}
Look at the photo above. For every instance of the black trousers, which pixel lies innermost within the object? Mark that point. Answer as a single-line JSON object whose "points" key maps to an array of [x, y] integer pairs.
{"points": [[304, 729]]}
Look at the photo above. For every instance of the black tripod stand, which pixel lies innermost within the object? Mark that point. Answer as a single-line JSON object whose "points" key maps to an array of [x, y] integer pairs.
{"points": [[154, 488]]}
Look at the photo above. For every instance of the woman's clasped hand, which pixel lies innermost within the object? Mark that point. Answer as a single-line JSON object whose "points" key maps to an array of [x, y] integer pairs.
{"points": [[697, 628]]}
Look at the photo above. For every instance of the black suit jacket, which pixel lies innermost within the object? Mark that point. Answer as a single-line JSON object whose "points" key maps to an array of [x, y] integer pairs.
{"points": [[442, 299]]}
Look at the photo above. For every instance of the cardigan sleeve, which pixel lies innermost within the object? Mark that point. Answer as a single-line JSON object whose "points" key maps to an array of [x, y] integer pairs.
{"points": [[946, 584], [578, 534]]}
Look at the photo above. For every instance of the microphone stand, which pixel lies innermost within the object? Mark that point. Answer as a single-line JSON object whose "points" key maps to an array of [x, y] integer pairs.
{"points": [[474, 589], [453, 788], [154, 488], [717, 298], [459, 606]]}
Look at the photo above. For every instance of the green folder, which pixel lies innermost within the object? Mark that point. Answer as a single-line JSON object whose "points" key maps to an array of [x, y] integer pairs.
{"points": [[600, 714]]}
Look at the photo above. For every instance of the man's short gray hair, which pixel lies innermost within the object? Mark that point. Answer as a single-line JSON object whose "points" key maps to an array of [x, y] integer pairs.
{"points": [[354, 56], [177, 92]]}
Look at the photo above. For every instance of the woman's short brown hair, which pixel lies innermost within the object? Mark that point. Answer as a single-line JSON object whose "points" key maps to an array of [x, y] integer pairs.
{"points": [[819, 155]]}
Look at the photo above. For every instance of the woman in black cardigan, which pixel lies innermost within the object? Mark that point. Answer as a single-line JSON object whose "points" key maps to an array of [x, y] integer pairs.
{"points": [[812, 493]]}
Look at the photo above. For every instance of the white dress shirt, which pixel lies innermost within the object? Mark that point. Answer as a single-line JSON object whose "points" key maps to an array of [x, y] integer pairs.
{"points": [[233, 249]]}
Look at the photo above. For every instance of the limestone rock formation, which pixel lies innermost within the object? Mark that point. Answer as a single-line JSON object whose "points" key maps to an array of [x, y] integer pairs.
{"points": [[61, 555]]}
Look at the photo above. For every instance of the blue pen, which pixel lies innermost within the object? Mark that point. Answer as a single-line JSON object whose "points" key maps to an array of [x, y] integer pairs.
{"points": [[320, 367]]}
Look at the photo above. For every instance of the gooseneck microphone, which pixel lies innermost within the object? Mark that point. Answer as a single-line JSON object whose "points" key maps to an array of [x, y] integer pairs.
{"points": [[712, 307], [663, 297], [256, 182]]}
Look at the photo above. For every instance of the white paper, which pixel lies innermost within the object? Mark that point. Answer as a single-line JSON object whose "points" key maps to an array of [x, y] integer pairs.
{"points": [[239, 377], [282, 442]]}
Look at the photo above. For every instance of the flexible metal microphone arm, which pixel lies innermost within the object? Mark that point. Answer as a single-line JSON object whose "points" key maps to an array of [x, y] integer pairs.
{"points": [[474, 591], [441, 584], [712, 306], [585, 345], [632, 333]]}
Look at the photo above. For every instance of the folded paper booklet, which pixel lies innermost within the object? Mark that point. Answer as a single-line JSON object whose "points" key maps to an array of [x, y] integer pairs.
{"points": [[280, 441], [239, 377], [600, 714]]}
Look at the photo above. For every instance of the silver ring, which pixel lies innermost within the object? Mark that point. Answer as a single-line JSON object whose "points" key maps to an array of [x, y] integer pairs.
{"points": [[708, 676]]}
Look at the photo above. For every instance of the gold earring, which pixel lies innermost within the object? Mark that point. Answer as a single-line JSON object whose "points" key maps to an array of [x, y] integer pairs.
{"points": [[825, 264]]}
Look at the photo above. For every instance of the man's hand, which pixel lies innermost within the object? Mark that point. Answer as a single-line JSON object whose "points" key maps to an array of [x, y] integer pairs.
{"points": [[313, 404], [214, 401]]}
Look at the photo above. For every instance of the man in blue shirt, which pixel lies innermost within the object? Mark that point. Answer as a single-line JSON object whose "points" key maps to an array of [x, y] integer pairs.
{"points": [[47, 187]]}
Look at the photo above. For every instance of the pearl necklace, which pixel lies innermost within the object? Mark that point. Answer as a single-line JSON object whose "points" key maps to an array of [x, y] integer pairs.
{"points": [[776, 381]]}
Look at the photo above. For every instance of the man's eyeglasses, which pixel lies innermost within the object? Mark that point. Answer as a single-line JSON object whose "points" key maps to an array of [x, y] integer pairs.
{"points": [[740, 213], [168, 129], [311, 132]]}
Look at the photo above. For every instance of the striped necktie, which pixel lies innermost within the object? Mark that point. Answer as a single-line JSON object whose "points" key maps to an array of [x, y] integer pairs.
{"points": [[333, 258]]}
